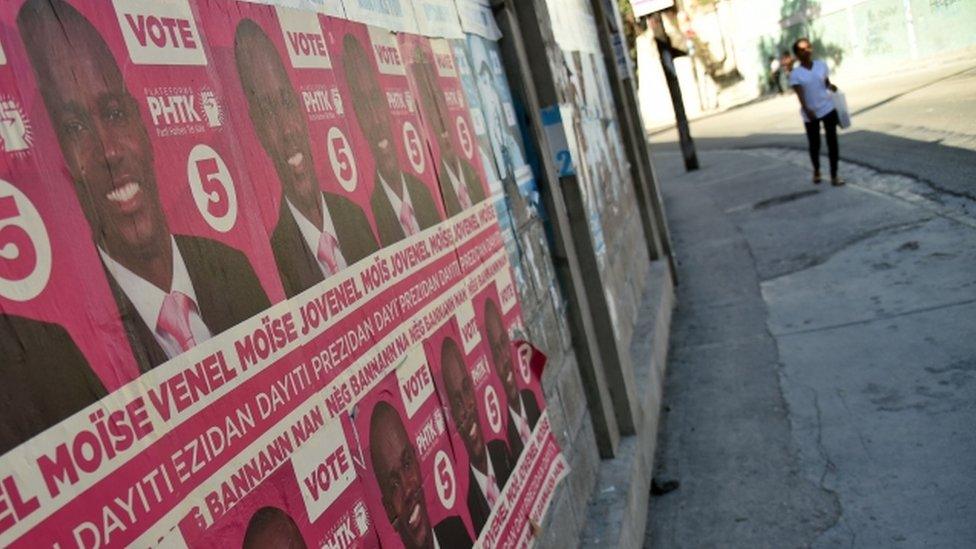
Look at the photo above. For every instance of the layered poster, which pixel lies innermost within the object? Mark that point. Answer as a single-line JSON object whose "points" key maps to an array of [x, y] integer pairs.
{"points": [[253, 291]]}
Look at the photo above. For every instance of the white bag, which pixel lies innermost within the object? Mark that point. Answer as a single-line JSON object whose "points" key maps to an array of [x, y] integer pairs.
{"points": [[840, 105]]}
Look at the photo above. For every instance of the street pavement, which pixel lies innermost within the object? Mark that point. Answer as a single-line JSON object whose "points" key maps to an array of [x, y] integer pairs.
{"points": [[821, 386], [921, 123]]}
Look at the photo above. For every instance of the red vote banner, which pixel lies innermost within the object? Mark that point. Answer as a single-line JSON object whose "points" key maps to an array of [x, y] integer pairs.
{"points": [[240, 285]]}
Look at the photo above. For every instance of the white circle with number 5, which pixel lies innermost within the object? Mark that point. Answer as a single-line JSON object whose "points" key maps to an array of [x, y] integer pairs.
{"points": [[464, 135], [493, 409], [25, 249], [415, 149], [444, 479], [212, 187], [524, 360], [341, 158]]}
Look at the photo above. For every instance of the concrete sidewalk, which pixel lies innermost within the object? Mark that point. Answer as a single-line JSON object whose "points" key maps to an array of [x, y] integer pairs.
{"points": [[821, 387]]}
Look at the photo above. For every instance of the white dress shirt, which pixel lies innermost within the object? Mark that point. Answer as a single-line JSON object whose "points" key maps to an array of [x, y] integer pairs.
{"points": [[312, 234], [482, 479], [397, 202], [521, 422], [147, 298], [457, 181]]}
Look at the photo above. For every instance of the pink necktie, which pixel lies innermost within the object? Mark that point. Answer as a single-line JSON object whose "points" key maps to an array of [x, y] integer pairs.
{"points": [[407, 219], [174, 319], [492, 490], [464, 197], [327, 252], [524, 432]]}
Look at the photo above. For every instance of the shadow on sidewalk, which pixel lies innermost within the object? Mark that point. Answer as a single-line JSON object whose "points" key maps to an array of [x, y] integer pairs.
{"points": [[947, 169]]}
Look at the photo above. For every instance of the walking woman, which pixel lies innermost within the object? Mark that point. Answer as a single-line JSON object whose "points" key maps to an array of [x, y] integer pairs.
{"points": [[810, 80]]}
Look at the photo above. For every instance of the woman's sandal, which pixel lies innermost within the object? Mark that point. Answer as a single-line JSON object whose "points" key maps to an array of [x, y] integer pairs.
{"points": [[817, 178], [837, 181]]}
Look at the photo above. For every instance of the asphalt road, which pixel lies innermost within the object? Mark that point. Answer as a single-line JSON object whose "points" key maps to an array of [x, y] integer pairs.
{"points": [[821, 385]]}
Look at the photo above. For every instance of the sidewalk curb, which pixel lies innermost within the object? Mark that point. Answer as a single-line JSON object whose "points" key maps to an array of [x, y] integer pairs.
{"points": [[616, 515]]}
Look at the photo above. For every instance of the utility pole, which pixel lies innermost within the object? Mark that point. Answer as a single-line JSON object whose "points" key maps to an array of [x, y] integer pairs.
{"points": [[667, 63]]}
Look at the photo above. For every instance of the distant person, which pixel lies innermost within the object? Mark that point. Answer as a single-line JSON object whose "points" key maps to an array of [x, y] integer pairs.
{"points": [[402, 205], [774, 70], [318, 233], [173, 291], [786, 62], [810, 80]]}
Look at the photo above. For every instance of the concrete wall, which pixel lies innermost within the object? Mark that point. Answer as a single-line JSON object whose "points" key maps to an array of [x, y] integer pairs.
{"points": [[599, 196]]}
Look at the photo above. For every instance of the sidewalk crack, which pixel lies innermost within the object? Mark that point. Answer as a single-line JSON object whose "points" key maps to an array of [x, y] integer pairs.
{"points": [[817, 260]]}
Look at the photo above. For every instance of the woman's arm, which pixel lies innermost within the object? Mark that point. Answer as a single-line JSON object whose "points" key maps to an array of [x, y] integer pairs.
{"points": [[830, 86], [811, 116]]}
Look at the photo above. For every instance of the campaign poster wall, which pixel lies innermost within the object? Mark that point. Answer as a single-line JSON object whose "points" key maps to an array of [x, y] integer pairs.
{"points": [[227, 244], [409, 461], [477, 116], [482, 466], [586, 116], [298, 505], [433, 76], [293, 119], [498, 127], [386, 115], [499, 121]]}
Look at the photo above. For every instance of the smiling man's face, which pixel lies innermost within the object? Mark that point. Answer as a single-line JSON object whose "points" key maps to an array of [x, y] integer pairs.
{"points": [[462, 402], [501, 351], [397, 472], [369, 104], [276, 112], [99, 128]]}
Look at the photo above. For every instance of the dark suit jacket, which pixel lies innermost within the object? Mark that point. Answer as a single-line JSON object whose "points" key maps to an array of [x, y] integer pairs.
{"points": [[532, 411], [514, 440], [388, 221], [298, 267], [501, 461], [452, 534], [452, 204], [228, 292], [45, 379], [478, 507]]}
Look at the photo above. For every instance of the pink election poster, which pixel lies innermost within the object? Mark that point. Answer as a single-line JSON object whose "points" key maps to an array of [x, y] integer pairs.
{"points": [[404, 198], [315, 500], [474, 415], [289, 112], [241, 292], [435, 82], [409, 467]]}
